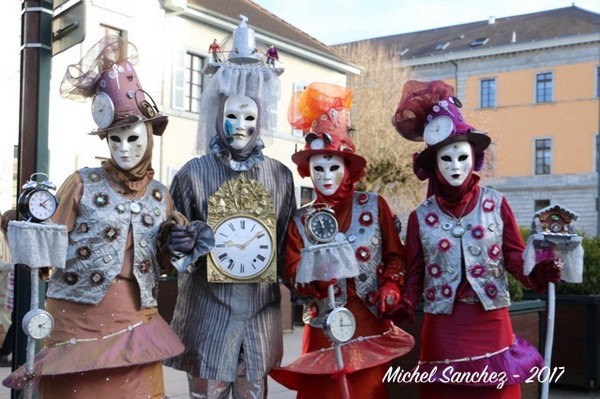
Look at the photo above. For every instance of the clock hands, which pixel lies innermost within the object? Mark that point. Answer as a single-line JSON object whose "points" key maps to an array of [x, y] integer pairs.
{"points": [[244, 245]]}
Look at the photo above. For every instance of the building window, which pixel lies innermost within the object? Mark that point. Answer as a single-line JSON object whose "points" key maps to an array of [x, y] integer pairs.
{"points": [[541, 204], [543, 156], [543, 87], [488, 93], [193, 81], [112, 30], [479, 41]]}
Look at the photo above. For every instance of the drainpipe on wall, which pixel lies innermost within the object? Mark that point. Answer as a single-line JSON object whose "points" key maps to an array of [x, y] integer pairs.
{"points": [[455, 76], [598, 184]]}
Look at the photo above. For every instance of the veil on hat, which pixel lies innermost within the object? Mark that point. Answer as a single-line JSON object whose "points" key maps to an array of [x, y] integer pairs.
{"points": [[79, 82], [258, 82], [106, 73]]}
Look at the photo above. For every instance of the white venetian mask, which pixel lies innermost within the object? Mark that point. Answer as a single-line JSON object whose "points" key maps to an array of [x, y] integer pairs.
{"points": [[455, 161], [327, 172], [240, 114], [128, 144]]}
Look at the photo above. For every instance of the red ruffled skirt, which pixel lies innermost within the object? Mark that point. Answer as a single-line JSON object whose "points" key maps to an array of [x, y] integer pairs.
{"points": [[366, 359]]}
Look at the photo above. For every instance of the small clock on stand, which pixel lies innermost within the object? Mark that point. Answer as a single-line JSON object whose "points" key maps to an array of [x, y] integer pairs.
{"points": [[36, 205]]}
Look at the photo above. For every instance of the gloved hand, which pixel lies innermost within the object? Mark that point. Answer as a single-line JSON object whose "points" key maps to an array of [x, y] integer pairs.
{"points": [[544, 272], [387, 296], [182, 239]]}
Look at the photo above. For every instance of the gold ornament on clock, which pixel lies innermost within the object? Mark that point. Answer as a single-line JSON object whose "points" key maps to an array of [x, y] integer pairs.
{"points": [[242, 216]]}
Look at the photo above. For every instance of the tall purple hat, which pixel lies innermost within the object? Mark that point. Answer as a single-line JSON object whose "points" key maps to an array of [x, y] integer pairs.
{"points": [[428, 111], [106, 74]]}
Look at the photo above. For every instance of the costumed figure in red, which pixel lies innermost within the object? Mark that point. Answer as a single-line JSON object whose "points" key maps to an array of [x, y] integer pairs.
{"points": [[461, 243], [360, 253], [108, 339], [215, 49]]}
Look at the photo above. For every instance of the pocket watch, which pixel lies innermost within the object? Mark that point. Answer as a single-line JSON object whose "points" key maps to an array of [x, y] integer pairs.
{"points": [[244, 247], [340, 325], [36, 203], [38, 324], [438, 130], [320, 225], [103, 110]]}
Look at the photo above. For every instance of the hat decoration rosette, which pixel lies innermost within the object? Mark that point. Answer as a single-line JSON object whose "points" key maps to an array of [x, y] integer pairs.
{"points": [[322, 112], [429, 111], [106, 74]]}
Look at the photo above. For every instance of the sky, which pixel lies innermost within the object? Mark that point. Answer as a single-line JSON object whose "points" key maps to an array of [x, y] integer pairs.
{"points": [[340, 21]]}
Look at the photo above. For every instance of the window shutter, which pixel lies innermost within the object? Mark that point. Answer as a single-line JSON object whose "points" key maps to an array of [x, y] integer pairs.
{"points": [[178, 92]]}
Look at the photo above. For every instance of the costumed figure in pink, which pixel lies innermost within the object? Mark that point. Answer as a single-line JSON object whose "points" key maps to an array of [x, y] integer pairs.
{"points": [[360, 253], [109, 340], [461, 243], [272, 56]]}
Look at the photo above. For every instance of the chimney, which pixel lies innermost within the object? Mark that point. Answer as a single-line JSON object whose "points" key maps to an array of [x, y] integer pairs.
{"points": [[492, 20], [514, 37]]}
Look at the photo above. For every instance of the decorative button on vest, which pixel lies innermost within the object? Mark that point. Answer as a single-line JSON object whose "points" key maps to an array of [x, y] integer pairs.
{"points": [[84, 252], [97, 277], [135, 207], [101, 200], [71, 278]]}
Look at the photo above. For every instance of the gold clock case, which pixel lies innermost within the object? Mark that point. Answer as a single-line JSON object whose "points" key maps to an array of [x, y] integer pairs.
{"points": [[242, 197]]}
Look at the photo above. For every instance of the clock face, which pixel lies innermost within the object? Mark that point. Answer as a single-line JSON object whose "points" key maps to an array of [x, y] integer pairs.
{"points": [[103, 110], [321, 226], [340, 325], [42, 204], [37, 205], [243, 247], [38, 323], [438, 130], [556, 227]]}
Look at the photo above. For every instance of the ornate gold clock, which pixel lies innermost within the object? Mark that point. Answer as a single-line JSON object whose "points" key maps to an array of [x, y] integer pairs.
{"points": [[242, 216]]}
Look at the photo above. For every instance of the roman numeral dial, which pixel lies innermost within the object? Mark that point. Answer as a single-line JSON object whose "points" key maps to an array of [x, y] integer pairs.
{"points": [[243, 247]]}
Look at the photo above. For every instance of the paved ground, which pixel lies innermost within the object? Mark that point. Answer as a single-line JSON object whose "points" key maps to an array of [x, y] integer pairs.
{"points": [[176, 382]]}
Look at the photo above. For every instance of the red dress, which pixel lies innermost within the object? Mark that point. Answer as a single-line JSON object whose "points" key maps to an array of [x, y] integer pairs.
{"points": [[313, 375], [470, 331]]}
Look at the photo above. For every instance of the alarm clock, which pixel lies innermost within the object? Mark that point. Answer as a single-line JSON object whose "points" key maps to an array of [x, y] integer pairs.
{"points": [[36, 203], [38, 324], [340, 325], [321, 226]]}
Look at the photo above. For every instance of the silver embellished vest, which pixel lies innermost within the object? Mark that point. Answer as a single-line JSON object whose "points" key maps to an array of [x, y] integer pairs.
{"points": [[97, 241], [364, 237], [476, 236]]}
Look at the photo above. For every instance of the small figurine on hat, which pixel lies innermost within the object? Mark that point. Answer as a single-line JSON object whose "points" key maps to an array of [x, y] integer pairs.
{"points": [[104, 300], [243, 50], [215, 49], [461, 243], [272, 56], [346, 239]]}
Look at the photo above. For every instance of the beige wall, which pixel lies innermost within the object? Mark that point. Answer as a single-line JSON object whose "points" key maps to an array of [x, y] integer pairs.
{"points": [[518, 120]]}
